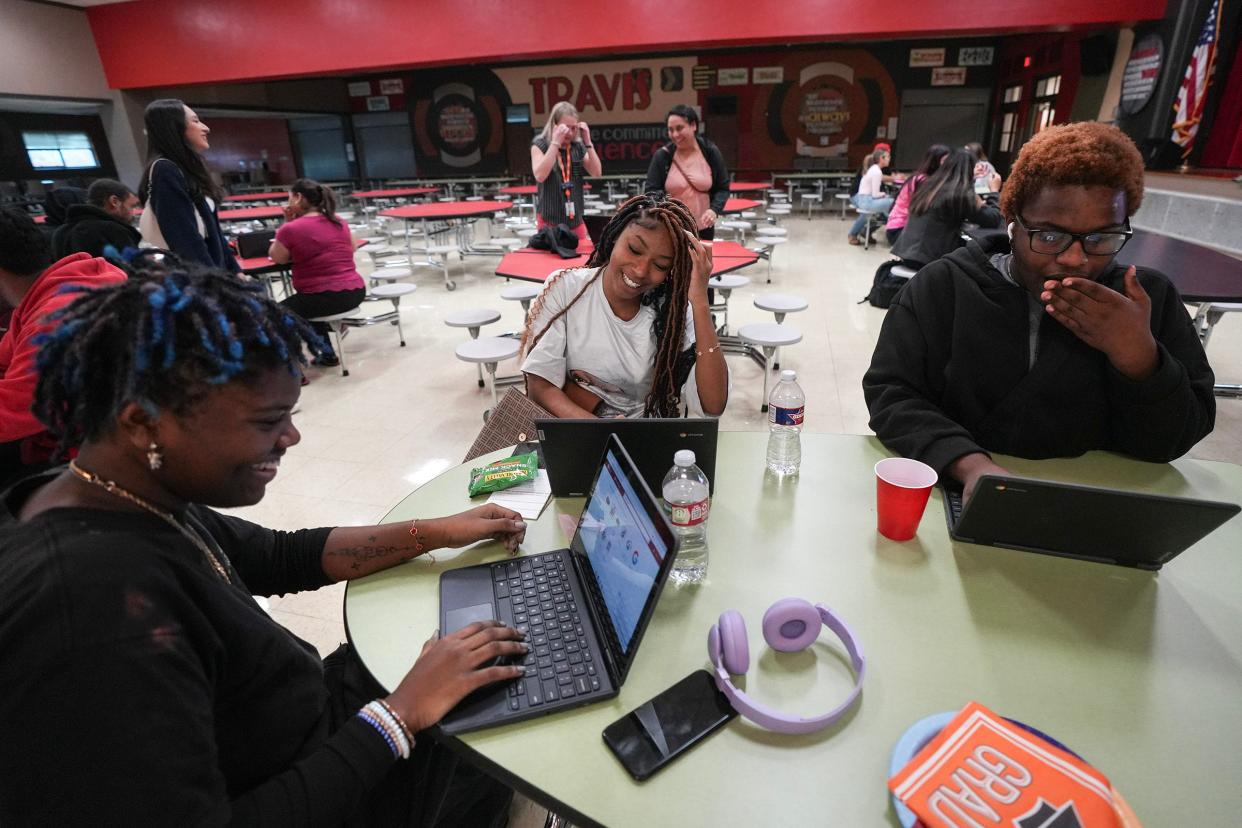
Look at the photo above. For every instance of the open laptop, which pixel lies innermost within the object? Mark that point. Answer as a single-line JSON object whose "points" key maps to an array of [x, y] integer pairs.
{"points": [[254, 244], [569, 448], [1085, 522], [584, 608]]}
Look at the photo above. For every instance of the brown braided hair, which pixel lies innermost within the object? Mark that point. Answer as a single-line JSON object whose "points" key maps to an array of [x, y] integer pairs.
{"points": [[668, 300]]}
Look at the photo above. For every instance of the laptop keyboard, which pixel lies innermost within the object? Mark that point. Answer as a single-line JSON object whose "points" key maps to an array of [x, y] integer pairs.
{"points": [[955, 503], [534, 595]]}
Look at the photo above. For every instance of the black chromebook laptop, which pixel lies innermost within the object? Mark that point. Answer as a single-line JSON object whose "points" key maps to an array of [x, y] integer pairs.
{"points": [[584, 609], [1086, 522], [571, 447]]}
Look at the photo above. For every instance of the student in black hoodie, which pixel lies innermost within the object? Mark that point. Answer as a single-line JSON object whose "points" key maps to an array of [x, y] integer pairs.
{"points": [[105, 220], [1050, 351]]}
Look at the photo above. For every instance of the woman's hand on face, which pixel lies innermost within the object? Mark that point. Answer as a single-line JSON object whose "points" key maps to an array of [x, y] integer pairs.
{"points": [[584, 132], [701, 258], [485, 522], [561, 135], [450, 668], [994, 182]]}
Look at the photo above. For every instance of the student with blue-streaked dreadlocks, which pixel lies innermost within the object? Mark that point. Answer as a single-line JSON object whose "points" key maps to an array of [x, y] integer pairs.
{"points": [[142, 683]]}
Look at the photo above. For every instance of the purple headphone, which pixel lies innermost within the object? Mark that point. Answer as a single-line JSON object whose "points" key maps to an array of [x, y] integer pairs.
{"points": [[789, 625]]}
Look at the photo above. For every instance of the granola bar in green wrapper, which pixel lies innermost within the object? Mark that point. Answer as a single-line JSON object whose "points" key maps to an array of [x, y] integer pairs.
{"points": [[504, 474]]}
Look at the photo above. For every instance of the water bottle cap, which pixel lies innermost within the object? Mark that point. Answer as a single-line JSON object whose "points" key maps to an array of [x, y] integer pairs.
{"points": [[789, 375], [684, 457]]}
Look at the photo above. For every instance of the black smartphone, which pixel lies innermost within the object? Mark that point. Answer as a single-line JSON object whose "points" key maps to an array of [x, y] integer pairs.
{"points": [[654, 734]]}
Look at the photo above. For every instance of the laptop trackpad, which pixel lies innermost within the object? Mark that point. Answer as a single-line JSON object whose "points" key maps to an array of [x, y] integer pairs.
{"points": [[455, 620]]}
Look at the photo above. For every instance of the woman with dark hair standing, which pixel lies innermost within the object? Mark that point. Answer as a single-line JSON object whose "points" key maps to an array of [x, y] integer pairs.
{"points": [[900, 213], [630, 334], [690, 169], [940, 206], [321, 249], [178, 194], [142, 683]]}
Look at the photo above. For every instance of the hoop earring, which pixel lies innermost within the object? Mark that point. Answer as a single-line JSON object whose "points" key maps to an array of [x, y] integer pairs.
{"points": [[155, 457]]}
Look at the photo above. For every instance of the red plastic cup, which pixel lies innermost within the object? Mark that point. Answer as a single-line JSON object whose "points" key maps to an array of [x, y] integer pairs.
{"points": [[902, 489]]}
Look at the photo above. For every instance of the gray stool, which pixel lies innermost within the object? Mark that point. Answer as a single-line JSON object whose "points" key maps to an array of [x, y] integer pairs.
{"points": [[737, 226], [772, 230], [523, 292], [394, 273], [336, 324], [488, 352], [472, 320], [844, 198], [725, 284], [871, 216], [768, 245], [393, 291], [780, 304], [810, 200], [769, 337]]}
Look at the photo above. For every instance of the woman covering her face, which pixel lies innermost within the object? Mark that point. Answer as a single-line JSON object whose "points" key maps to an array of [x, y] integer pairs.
{"points": [[630, 334], [142, 683]]}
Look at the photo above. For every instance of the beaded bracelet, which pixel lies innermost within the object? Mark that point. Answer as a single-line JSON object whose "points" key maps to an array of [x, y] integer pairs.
{"points": [[419, 548], [405, 728], [710, 350], [382, 731], [380, 714]]}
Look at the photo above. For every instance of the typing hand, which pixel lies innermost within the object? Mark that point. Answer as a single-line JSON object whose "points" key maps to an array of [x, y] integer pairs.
{"points": [[1119, 324], [451, 668], [968, 468]]}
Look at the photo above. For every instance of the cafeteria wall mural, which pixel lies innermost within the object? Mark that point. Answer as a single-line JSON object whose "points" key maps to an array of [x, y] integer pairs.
{"points": [[786, 105]]}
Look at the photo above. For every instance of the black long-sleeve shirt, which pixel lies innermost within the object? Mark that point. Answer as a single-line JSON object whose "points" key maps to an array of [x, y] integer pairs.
{"points": [[138, 688], [951, 374], [662, 161]]}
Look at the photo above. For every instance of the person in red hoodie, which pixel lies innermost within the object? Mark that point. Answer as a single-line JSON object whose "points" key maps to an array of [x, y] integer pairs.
{"points": [[31, 284]]}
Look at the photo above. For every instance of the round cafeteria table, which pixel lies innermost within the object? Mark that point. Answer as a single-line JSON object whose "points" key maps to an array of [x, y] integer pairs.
{"points": [[252, 213], [450, 211], [533, 265], [274, 195], [738, 205], [1138, 672], [749, 186], [398, 192]]}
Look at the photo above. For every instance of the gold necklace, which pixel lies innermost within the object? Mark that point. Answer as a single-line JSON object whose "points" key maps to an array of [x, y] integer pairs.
{"points": [[112, 488]]}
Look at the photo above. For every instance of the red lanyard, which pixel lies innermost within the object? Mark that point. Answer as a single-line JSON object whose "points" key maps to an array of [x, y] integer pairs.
{"points": [[566, 162]]}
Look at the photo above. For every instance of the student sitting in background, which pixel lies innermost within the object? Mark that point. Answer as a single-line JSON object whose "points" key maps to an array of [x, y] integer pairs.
{"points": [[1052, 350], [870, 195], [31, 285], [900, 214], [105, 220], [938, 209], [56, 207], [321, 249]]}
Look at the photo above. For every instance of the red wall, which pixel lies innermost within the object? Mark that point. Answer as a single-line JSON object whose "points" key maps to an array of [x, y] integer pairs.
{"points": [[235, 141], [160, 43]]}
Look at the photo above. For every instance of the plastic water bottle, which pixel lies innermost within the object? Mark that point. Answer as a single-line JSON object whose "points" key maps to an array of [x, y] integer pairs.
{"points": [[687, 500], [786, 406]]}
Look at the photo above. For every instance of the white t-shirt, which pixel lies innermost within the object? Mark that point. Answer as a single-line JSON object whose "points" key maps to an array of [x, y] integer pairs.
{"points": [[872, 183], [615, 358]]}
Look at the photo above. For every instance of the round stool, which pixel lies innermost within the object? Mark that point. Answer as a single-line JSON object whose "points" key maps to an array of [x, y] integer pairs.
{"points": [[726, 283], [487, 353], [393, 291], [769, 244], [438, 256], [336, 324], [777, 212], [472, 320], [740, 227], [871, 215], [749, 214], [522, 292], [844, 199], [769, 337], [780, 304], [772, 230], [390, 274], [810, 200]]}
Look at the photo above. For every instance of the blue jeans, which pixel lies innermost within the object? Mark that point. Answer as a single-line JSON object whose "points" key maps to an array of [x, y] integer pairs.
{"points": [[866, 202]]}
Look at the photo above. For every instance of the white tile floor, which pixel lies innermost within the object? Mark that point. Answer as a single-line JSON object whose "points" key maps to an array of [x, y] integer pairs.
{"points": [[406, 414]]}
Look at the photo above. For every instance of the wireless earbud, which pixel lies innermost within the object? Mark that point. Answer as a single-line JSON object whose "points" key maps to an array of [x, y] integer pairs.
{"points": [[1010, 229]]}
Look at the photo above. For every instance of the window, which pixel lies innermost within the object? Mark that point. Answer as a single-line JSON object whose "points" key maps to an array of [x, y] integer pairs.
{"points": [[1048, 87], [60, 150], [1013, 94], [1007, 132], [1044, 113]]}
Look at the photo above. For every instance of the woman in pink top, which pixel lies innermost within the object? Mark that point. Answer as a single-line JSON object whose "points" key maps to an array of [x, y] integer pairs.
{"points": [[321, 249], [690, 169], [900, 213]]}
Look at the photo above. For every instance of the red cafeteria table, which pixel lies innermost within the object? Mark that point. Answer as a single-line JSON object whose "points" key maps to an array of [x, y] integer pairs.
{"points": [[738, 205], [252, 213], [449, 211], [531, 265], [272, 196], [749, 186]]}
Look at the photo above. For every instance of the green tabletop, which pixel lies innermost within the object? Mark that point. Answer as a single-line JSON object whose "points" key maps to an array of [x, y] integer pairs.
{"points": [[1140, 673]]}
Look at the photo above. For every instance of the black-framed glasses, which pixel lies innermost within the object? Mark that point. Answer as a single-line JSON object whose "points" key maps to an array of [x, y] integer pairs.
{"points": [[1096, 243]]}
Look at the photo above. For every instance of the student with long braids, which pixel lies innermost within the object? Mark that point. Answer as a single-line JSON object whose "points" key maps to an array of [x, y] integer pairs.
{"points": [[321, 249], [630, 334], [142, 683]]}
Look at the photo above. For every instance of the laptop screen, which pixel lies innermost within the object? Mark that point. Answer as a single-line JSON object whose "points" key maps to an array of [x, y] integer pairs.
{"points": [[623, 546]]}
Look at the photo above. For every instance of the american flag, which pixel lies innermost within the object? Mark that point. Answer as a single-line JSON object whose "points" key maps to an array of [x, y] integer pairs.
{"points": [[1188, 108]]}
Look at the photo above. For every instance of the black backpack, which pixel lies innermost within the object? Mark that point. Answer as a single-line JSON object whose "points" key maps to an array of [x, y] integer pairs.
{"points": [[885, 286]]}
